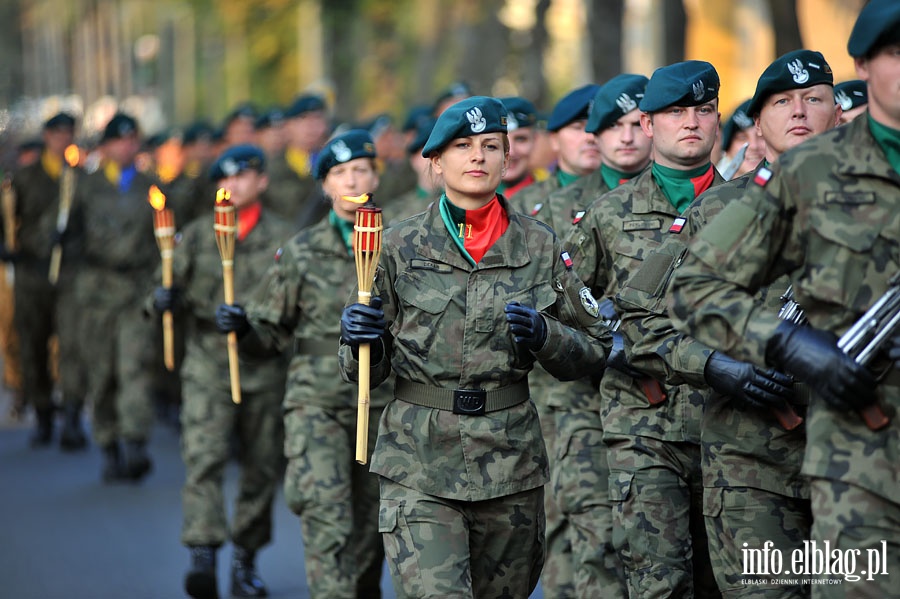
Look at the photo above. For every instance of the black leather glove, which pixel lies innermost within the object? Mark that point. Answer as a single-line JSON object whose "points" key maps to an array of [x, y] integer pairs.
{"points": [[813, 357], [608, 310], [758, 387], [618, 360], [363, 324], [527, 325], [8, 256], [165, 299], [232, 319]]}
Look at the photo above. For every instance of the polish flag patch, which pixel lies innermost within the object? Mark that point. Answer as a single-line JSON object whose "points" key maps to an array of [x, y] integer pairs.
{"points": [[567, 259], [578, 216], [678, 225], [762, 177], [536, 209]]}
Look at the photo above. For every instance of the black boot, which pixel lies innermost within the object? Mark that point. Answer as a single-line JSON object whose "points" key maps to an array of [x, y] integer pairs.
{"points": [[200, 581], [72, 437], [136, 463], [43, 432], [112, 463], [244, 580]]}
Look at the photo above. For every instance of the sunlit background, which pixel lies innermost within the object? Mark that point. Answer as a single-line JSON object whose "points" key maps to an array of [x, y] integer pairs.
{"points": [[169, 62]]}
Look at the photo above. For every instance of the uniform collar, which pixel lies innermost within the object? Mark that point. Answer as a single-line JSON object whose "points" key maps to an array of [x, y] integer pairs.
{"points": [[869, 159]]}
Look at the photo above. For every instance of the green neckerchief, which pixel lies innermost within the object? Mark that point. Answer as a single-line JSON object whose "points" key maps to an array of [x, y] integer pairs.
{"points": [[613, 178], [889, 140], [344, 228], [422, 193], [565, 179], [676, 185], [454, 216]]}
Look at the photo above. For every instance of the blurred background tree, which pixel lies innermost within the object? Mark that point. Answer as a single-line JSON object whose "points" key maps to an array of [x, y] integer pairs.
{"points": [[171, 61]]}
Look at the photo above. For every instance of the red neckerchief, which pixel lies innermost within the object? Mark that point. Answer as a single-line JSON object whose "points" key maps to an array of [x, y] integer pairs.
{"points": [[704, 181], [247, 217], [517, 187], [483, 228]]}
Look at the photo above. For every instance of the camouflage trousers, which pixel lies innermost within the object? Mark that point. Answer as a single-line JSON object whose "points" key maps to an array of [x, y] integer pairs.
{"points": [[209, 418], [118, 347], [336, 499], [580, 483], [454, 549], [35, 321], [558, 576], [658, 530], [739, 519], [865, 529]]}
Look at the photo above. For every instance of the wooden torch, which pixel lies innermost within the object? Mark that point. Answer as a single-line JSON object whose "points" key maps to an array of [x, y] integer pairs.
{"points": [[367, 232], [164, 229], [66, 193], [10, 224], [226, 227]]}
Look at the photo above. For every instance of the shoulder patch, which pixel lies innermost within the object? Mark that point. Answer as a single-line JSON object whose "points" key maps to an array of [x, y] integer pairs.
{"points": [[577, 215], [588, 302], [678, 225], [537, 208], [762, 177], [278, 254], [567, 259]]}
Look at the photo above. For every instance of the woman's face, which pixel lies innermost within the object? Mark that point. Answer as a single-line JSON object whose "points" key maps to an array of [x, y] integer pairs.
{"points": [[471, 168], [352, 178]]}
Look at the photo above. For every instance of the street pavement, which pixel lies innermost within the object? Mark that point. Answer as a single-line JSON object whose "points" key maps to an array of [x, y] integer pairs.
{"points": [[66, 535]]}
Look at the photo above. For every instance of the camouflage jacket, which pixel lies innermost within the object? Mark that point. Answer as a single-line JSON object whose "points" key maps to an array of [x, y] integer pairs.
{"points": [[530, 200], [406, 205], [295, 198], [447, 329], [750, 448], [827, 215], [112, 237], [197, 272], [620, 230], [561, 209], [297, 309]]}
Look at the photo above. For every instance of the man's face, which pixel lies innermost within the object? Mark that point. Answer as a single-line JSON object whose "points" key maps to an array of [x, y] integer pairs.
{"points": [[787, 119], [57, 140], [245, 187], [521, 144], [881, 73], [624, 146], [307, 131], [683, 136], [578, 152], [122, 150]]}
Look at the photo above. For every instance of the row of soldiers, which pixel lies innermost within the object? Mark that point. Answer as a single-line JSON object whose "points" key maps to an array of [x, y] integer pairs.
{"points": [[690, 447]]}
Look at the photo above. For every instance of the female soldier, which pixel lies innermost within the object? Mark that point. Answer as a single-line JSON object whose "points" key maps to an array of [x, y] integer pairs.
{"points": [[296, 305], [472, 295]]}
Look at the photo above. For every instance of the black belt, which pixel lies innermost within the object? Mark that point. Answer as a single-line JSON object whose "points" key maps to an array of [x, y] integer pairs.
{"points": [[470, 402], [315, 347]]}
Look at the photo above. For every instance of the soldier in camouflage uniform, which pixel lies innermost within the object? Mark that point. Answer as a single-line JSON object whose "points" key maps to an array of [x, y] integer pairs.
{"points": [[522, 125], [293, 192], [826, 215], [113, 238], [191, 194], [653, 435], [473, 294], [295, 306], [40, 308], [209, 417], [427, 188], [751, 464]]}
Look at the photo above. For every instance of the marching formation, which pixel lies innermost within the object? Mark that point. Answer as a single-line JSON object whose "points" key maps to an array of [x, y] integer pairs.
{"points": [[623, 349]]}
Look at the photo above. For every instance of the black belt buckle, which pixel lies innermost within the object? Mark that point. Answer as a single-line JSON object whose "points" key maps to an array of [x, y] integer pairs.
{"points": [[469, 402]]}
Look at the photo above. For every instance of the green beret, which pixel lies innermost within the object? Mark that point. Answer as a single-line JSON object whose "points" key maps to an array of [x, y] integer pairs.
{"points": [[355, 143], [688, 83], [273, 117], [738, 121], [245, 110], [197, 131], [423, 132], [303, 104], [573, 106], [61, 120], [851, 94], [472, 116], [795, 70], [616, 98], [457, 89], [877, 25], [237, 159], [119, 126], [520, 113], [416, 115]]}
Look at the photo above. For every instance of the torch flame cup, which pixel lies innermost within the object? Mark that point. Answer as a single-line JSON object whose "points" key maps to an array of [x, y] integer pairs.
{"points": [[73, 155]]}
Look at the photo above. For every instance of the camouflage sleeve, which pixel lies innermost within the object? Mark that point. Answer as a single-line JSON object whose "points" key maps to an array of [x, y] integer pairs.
{"points": [[577, 340], [748, 245]]}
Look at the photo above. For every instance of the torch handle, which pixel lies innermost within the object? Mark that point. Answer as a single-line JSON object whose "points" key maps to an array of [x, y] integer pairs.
{"points": [[362, 415], [167, 320], [228, 278], [55, 263]]}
